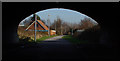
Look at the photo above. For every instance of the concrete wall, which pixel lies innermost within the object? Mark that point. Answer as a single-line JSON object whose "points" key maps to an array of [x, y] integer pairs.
{"points": [[104, 13]]}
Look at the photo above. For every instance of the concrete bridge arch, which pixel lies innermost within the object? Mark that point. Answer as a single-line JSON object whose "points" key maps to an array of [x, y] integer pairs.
{"points": [[104, 13]]}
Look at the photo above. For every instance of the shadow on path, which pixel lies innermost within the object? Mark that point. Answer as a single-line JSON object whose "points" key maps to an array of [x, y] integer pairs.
{"points": [[55, 48]]}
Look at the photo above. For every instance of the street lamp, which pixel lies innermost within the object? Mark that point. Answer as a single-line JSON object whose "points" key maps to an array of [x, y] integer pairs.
{"points": [[48, 25], [55, 25]]}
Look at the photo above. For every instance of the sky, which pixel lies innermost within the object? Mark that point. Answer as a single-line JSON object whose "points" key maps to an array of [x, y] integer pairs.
{"points": [[66, 15]]}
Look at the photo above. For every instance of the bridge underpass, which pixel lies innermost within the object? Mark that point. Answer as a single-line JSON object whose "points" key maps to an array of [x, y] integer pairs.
{"points": [[104, 13]]}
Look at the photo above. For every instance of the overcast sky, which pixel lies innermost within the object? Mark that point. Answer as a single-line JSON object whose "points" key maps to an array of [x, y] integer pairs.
{"points": [[66, 15]]}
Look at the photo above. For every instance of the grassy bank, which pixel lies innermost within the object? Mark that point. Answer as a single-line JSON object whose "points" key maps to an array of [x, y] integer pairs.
{"points": [[28, 40], [74, 40], [45, 37]]}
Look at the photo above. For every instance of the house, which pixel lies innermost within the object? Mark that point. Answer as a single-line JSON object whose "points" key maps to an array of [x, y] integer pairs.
{"points": [[52, 32], [40, 26], [79, 30]]}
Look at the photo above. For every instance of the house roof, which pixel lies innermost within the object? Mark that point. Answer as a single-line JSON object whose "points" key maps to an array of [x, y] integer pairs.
{"points": [[45, 27], [40, 23]]}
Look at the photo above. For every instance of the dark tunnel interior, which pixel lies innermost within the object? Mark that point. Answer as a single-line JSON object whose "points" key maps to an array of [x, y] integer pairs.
{"points": [[106, 14]]}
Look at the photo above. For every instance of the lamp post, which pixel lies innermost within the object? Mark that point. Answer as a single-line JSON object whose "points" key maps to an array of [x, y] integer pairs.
{"points": [[55, 26], [48, 25]]}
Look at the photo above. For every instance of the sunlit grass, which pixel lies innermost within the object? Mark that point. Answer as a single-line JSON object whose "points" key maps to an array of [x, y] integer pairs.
{"points": [[45, 37]]}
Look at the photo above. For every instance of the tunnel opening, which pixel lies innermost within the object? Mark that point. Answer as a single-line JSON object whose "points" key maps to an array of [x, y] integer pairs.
{"points": [[106, 50], [59, 21]]}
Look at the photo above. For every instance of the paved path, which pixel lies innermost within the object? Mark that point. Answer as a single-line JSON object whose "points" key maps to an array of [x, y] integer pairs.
{"points": [[55, 38], [50, 49], [56, 49], [59, 48]]}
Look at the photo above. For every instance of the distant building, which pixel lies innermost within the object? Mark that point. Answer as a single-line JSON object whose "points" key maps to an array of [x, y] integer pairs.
{"points": [[40, 26], [52, 32], [79, 30]]}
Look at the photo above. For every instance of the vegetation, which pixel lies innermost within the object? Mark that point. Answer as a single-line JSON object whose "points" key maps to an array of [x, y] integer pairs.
{"points": [[67, 28], [90, 34], [86, 23], [58, 24], [30, 20], [29, 35], [29, 40], [45, 37], [74, 40]]}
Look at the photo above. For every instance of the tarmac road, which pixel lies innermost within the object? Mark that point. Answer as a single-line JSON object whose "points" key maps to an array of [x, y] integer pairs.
{"points": [[56, 48]]}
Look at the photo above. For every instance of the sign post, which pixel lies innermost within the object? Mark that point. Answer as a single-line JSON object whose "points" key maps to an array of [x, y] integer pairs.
{"points": [[35, 25]]}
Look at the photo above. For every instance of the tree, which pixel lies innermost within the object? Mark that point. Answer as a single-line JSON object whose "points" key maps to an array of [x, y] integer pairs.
{"points": [[86, 23], [58, 24], [33, 18], [61, 27]]}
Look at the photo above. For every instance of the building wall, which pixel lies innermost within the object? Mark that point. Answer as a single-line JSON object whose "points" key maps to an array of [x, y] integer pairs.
{"points": [[52, 32]]}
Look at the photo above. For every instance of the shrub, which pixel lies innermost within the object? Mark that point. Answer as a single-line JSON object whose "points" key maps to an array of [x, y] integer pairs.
{"points": [[29, 35], [90, 34]]}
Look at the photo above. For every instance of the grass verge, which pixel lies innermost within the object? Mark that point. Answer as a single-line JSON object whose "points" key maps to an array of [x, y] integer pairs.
{"points": [[74, 40], [45, 37]]}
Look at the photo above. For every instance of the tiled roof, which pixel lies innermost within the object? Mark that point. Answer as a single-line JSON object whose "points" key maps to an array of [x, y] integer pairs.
{"points": [[41, 23], [45, 27]]}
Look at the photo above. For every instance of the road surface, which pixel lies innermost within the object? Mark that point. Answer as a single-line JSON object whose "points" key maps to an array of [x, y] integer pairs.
{"points": [[54, 48]]}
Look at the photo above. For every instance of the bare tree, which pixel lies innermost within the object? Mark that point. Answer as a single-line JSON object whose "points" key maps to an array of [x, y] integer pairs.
{"points": [[86, 23]]}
